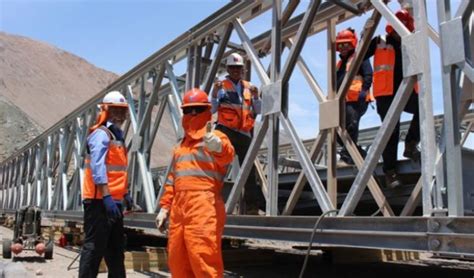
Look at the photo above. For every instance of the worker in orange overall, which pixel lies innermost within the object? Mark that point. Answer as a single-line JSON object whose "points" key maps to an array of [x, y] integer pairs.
{"points": [[388, 74], [192, 197], [105, 188], [358, 96], [237, 104]]}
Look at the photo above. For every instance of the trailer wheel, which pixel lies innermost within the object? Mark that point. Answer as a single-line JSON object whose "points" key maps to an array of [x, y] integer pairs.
{"points": [[48, 253], [7, 249]]}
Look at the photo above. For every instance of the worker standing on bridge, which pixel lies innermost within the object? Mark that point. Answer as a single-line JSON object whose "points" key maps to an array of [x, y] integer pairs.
{"points": [[105, 187], [388, 74], [192, 195], [237, 104], [358, 95]]}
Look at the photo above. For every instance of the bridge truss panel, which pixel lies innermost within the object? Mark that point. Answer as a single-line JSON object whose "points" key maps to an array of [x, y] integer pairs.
{"points": [[49, 170]]}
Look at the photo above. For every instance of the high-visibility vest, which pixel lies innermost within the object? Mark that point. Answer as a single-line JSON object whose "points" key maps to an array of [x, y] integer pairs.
{"points": [[116, 163], [234, 114], [356, 85], [194, 168], [384, 64]]}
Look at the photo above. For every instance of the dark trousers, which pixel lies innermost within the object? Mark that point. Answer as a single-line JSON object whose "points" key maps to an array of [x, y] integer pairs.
{"points": [[354, 112], [103, 239], [253, 194], [391, 150]]}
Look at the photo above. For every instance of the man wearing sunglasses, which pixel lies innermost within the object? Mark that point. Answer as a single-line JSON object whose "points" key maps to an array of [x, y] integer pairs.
{"points": [[192, 196], [237, 104], [358, 95]]}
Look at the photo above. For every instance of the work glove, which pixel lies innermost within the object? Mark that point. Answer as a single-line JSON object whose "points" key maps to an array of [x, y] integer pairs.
{"points": [[128, 201], [160, 220], [254, 92], [217, 88], [130, 207], [113, 211], [212, 142]]}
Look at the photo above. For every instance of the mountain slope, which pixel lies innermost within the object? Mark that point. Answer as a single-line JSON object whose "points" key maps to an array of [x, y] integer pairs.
{"points": [[40, 84]]}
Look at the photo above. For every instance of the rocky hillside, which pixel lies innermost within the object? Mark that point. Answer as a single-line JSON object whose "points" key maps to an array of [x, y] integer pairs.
{"points": [[40, 84]]}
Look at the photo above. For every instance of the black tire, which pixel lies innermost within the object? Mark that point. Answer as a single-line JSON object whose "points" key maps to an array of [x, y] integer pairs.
{"points": [[7, 249], [48, 253]]}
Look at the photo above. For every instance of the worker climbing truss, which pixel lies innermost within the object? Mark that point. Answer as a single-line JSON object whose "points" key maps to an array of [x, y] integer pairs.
{"points": [[48, 171]]}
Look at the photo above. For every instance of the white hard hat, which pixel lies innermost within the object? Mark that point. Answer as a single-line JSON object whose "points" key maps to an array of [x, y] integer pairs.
{"points": [[235, 59], [114, 98]]}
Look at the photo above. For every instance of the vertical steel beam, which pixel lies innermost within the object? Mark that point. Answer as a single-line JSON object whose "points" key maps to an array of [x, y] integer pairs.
{"points": [[19, 180], [452, 139], [427, 133], [61, 187], [30, 163], [50, 154], [196, 76], [274, 130], [38, 172], [189, 68], [332, 135]]}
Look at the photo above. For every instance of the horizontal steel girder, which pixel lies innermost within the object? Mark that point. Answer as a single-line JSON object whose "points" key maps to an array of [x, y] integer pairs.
{"points": [[435, 234]]}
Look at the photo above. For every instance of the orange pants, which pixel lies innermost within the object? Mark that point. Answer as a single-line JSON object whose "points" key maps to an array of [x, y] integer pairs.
{"points": [[194, 243]]}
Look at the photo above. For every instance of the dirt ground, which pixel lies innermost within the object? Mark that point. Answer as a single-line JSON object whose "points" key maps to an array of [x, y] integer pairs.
{"points": [[283, 263]]}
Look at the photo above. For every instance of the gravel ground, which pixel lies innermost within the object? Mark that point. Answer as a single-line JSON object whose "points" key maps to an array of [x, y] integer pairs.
{"points": [[28, 265]]}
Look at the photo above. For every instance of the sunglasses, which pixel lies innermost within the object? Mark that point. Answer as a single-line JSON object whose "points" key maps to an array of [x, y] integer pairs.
{"points": [[343, 45], [194, 109]]}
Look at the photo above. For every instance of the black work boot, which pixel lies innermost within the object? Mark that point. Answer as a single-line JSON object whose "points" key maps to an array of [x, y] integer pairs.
{"points": [[345, 160], [391, 179], [411, 151]]}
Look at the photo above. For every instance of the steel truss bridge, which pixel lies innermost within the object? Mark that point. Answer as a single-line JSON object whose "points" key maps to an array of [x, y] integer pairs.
{"points": [[432, 215]]}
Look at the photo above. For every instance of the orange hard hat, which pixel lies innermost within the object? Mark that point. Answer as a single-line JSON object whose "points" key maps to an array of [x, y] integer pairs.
{"points": [[347, 35], [195, 97], [405, 17]]}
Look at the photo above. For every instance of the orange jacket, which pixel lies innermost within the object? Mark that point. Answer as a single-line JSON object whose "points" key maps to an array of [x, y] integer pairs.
{"points": [[195, 168], [116, 162], [237, 116], [384, 63], [356, 85]]}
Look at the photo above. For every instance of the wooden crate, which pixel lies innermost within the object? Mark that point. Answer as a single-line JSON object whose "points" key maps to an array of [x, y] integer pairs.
{"points": [[151, 260], [357, 255]]}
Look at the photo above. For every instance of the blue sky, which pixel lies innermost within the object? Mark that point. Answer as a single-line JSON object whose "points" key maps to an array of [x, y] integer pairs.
{"points": [[118, 34]]}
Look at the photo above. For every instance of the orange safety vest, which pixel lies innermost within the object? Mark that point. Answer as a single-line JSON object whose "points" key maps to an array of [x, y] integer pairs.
{"points": [[356, 85], [194, 168], [237, 116], [384, 63], [116, 163]]}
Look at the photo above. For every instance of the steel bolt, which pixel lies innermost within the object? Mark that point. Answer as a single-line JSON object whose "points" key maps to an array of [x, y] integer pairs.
{"points": [[435, 226], [435, 244]]}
